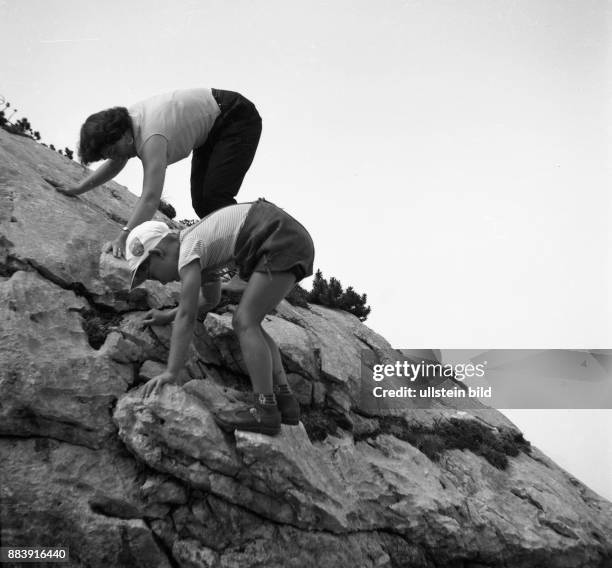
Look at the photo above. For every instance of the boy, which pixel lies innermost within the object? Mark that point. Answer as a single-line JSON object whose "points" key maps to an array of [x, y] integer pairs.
{"points": [[221, 127], [272, 251]]}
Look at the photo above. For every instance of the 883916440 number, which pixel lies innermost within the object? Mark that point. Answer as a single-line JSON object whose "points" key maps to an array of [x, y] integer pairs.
{"points": [[18, 554]]}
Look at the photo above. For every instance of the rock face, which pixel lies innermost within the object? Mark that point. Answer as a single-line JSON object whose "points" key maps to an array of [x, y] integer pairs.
{"points": [[88, 464]]}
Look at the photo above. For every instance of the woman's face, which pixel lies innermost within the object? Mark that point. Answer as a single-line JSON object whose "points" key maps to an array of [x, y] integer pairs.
{"points": [[122, 149]]}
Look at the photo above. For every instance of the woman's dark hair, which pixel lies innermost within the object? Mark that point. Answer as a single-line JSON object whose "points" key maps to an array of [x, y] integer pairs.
{"points": [[100, 130]]}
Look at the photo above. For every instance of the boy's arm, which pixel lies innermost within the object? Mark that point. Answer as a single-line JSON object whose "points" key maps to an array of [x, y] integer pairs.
{"points": [[154, 163], [210, 294], [107, 171], [182, 330]]}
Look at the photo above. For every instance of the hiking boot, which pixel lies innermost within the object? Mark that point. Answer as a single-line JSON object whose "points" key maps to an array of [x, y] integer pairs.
{"points": [[289, 408], [261, 418]]}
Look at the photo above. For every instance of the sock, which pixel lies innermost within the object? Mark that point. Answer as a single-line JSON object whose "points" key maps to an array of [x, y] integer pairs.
{"points": [[282, 389], [266, 399]]}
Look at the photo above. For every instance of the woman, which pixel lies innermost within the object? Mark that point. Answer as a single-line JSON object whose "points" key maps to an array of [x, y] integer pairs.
{"points": [[222, 128]]}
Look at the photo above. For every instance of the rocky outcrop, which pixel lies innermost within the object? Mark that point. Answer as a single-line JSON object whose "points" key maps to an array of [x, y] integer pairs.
{"points": [[124, 481]]}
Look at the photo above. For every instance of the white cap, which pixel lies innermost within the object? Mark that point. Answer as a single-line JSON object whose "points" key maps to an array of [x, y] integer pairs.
{"points": [[140, 242]]}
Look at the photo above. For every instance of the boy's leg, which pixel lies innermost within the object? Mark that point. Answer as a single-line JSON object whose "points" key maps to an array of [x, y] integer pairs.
{"points": [[278, 372], [263, 293], [285, 399]]}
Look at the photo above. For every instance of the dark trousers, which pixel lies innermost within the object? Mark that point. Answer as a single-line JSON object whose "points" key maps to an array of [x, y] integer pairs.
{"points": [[220, 164]]}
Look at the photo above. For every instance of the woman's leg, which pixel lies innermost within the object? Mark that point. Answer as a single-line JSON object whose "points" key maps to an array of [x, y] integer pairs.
{"points": [[219, 166], [263, 293]]}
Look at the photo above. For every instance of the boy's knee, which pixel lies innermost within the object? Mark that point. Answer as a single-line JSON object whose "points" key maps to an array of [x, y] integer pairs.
{"points": [[241, 322]]}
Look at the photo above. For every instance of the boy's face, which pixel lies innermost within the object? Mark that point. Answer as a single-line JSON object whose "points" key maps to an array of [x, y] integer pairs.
{"points": [[163, 262]]}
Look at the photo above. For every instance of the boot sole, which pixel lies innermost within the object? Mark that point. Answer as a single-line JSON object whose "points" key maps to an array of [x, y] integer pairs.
{"points": [[229, 428], [290, 421]]}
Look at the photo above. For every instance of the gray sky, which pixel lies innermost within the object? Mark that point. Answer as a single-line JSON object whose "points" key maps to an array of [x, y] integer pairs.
{"points": [[449, 158]]}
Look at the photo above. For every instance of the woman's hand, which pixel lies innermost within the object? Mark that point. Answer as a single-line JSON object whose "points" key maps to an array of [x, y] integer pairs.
{"points": [[68, 190], [155, 384], [117, 247], [159, 317]]}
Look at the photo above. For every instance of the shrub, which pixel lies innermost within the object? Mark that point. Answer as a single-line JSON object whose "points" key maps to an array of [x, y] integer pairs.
{"points": [[494, 446], [167, 209], [331, 295], [298, 297], [22, 127], [97, 324]]}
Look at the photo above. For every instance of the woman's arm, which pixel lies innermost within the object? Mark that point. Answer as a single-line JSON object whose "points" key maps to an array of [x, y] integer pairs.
{"points": [[154, 163], [107, 171]]}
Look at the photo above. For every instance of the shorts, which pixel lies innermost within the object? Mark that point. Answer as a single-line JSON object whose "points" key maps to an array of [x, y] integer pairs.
{"points": [[270, 240]]}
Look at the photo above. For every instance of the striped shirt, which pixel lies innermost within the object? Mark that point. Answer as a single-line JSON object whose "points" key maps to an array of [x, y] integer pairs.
{"points": [[212, 240]]}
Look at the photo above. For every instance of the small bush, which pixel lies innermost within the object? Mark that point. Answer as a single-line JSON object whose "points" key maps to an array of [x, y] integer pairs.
{"points": [[319, 423], [22, 127], [298, 297], [457, 434], [98, 324], [331, 295]]}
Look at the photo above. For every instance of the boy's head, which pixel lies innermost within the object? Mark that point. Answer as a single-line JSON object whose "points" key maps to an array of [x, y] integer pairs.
{"points": [[152, 252]]}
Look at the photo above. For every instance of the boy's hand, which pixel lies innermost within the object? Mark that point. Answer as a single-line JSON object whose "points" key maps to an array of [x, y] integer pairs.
{"points": [[158, 317], [155, 384]]}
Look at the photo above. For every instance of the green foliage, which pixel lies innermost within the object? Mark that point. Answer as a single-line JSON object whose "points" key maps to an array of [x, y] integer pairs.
{"points": [[493, 445], [319, 422], [167, 209], [98, 324], [298, 297], [332, 295], [22, 127]]}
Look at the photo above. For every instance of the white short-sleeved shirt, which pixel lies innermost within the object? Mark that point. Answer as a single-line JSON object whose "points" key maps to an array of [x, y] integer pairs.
{"points": [[212, 240], [183, 117]]}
